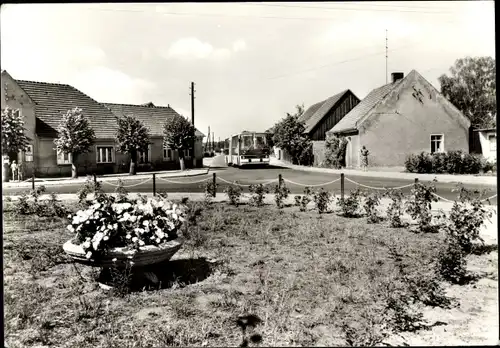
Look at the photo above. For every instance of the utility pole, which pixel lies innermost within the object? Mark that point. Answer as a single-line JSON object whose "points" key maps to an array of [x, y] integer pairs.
{"points": [[213, 142], [386, 56], [208, 139], [192, 122]]}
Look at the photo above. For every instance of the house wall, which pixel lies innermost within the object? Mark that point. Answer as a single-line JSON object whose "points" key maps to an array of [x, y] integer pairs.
{"points": [[402, 125], [348, 102], [15, 98], [87, 163], [487, 151]]}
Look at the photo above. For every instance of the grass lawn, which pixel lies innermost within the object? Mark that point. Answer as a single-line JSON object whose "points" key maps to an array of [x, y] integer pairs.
{"points": [[312, 281]]}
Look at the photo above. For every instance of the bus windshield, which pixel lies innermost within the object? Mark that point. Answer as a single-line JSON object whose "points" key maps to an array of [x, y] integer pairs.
{"points": [[246, 142]]}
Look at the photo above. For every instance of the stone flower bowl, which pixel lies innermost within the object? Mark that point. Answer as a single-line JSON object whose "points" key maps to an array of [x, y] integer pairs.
{"points": [[146, 255]]}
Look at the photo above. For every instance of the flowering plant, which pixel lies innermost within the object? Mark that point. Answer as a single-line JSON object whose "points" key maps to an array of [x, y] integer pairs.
{"points": [[107, 224]]}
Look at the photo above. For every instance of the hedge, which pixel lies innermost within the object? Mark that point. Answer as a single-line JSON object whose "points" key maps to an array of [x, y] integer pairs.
{"points": [[452, 162]]}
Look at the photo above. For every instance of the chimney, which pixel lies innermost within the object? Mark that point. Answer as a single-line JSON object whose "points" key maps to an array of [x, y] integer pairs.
{"points": [[397, 76]]}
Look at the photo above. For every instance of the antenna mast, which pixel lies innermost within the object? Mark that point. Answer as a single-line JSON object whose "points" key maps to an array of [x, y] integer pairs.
{"points": [[385, 56]]}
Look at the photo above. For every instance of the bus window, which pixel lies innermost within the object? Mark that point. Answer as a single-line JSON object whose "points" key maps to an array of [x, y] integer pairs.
{"points": [[247, 141], [260, 141]]}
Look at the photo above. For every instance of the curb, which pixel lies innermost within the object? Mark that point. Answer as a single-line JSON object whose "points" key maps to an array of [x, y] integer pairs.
{"points": [[443, 178], [27, 184]]}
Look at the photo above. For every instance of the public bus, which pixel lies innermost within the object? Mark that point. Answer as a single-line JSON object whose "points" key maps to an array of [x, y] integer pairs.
{"points": [[248, 149]]}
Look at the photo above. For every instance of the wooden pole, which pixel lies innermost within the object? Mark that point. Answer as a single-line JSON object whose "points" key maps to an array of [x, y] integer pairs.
{"points": [[95, 179], [279, 180], [342, 187], [154, 184], [215, 185], [33, 182]]}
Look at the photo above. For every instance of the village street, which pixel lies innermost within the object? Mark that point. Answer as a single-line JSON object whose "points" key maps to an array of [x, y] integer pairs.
{"points": [[295, 180]]}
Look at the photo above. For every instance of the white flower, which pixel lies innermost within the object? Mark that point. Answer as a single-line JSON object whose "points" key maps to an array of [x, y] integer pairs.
{"points": [[114, 260], [160, 233], [105, 238], [141, 242], [88, 255], [115, 226], [145, 223], [134, 239], [128, 236], [86, 245], [97, 239], [71, 228]]}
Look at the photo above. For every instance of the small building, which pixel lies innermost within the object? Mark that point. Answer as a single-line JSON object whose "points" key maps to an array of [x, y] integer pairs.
{"points": [[319, 118], [406, 116], [42, 105], [484, 142]]}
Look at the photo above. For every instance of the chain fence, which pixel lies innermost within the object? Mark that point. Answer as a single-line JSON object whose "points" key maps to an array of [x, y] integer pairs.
{"points": [[279, 180]]}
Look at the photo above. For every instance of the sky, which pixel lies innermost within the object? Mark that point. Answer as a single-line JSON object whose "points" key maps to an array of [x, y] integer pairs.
{"points": [[251, 63]]}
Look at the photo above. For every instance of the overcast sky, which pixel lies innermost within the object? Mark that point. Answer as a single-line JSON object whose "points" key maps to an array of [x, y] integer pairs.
{"points": [[251, 62]]}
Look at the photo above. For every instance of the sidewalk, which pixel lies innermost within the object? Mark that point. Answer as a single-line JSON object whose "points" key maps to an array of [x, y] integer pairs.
{"points": [[489, 229], [122, 176], [447, 178]]}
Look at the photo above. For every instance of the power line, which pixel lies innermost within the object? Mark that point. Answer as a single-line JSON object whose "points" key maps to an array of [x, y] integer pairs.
{"points": [[341, 62]]}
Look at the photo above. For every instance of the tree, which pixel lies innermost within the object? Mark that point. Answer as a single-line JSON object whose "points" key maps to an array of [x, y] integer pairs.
{"points": [[179, 134], [472, 89], [75, 136], [13, 137], [132, 136], [289, 135]]}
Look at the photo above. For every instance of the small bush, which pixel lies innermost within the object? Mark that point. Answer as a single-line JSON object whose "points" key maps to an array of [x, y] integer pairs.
{"points": [[303, 201], [451, 162], [258, 192], [281, 193], [419, 205], [121, 192], [233, 192], [89, 187], [210, 189], [420, 163], [350, 205], [395, 209], [372, 201], [451, 263], [321, 199]]}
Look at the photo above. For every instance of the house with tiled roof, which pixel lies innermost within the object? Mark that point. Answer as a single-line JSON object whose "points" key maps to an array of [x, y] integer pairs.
{"points": [[42, 105], [404, 117], [321, 117]]}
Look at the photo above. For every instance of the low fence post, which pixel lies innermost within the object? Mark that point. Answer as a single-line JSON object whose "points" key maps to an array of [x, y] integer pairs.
{"points": [[154, 184], [279, 180], [215, 184], [416, 182], [95, 179], [33, 182], [342, 187]]}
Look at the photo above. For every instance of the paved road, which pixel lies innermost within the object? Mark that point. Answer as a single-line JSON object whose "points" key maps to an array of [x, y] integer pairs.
{"points": [[258, 175]]}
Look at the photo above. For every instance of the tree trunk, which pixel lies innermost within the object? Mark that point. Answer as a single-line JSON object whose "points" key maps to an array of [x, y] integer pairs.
{"points": [[5, 170], [74, 171], [181, 161], [133, 162]]}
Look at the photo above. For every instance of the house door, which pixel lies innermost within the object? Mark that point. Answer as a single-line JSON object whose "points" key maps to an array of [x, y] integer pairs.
{"points": [[493, 146]]}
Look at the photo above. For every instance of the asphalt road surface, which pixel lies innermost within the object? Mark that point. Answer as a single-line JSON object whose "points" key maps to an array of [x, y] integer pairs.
{"points": [[256, 175]]}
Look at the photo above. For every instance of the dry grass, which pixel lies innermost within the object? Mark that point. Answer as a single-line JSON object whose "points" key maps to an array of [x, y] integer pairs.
{"points": [[312, 280]]}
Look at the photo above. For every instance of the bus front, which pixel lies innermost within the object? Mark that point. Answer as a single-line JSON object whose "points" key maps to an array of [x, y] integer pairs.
{"points": [[254, 149]]}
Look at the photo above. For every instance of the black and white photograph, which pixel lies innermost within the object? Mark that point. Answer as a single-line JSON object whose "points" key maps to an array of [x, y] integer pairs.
{"points": [[249, 174]]}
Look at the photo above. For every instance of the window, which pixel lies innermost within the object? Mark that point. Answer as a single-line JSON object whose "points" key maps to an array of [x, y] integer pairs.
{"points": [[167, 154], [104, 154], [437, 143], [187, 153], [63, 158], [144, 156], [493, 142], [28, 154]]}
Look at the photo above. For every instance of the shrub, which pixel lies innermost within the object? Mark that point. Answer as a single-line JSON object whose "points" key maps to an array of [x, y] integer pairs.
{"points": [[335, 152], [121, 192], [451, 263], [89, 187], [439, 161], [420, 163], [395, 209], [419, 204], [451, 162], [54, 207], [210, 189], [23, 206], [281, 193], [258, 193], [454, 162], [489, 166], [465, 219], [321, 199], [372, 201], [471, 164], [233, 192], [350, 205], [303, 201]]}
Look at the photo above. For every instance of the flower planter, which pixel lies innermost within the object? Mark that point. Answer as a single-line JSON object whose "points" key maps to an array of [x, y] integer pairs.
{"points": [[146, 255]]}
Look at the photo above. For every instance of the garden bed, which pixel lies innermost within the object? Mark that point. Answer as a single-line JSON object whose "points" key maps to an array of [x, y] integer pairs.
{"points": [[311, 279]]}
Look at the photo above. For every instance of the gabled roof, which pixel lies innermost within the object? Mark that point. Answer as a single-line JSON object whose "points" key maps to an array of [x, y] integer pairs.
{"points": [[52, 100], [153, 117], [310, 111], [349, 121], [322, 110]]}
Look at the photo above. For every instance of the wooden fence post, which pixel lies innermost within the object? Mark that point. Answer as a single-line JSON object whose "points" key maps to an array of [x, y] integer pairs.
{"points": [[279, 180], [342, 187], [215, 184], [416, 182], [95, 179], [154, 184], [33, 182]]}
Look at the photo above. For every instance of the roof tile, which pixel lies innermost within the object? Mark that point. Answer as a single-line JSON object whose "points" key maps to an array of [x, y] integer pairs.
{"points": [[325, 107]]}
